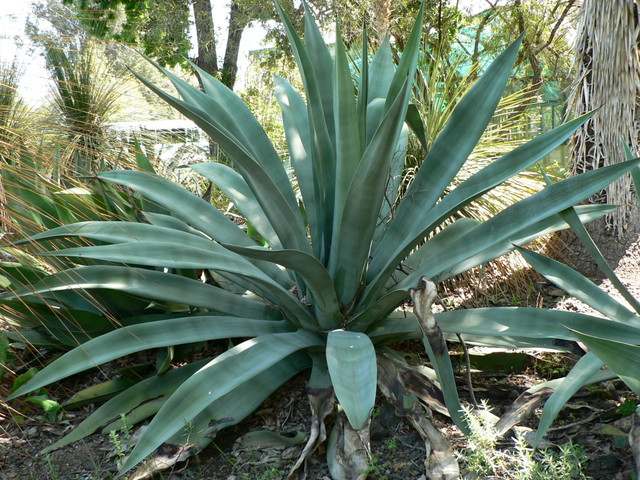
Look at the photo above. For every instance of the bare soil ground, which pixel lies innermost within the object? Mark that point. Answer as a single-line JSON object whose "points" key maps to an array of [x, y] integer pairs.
{"points": [[589, 419]]}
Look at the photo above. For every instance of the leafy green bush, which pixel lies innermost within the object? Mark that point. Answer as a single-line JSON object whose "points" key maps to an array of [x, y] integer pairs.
{"points": [[318, 293]]}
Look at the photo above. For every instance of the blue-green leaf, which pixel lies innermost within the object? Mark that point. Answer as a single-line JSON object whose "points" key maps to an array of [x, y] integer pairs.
{"points": [[234, 186], [219, 377], [351, 359], [586, 371], [136, 338]]}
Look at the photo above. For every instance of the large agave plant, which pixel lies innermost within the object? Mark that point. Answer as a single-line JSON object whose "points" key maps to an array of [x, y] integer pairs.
{"points": [[317, 291]]}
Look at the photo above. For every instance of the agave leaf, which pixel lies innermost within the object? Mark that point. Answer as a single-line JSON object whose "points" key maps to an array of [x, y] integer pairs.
{"points": [[244, 399], [347, 136], [314, 274], [163, 220], [298, 135], [174, 256], [351, 359], [580, 287], [635, 173], [500, 170], [515, 218], [224, 412], [283, 216], [228, 120], [407, 64], [550, 224], [580, 375], [121, 404], [526, 322], [466, 125], [104, 391], [350, 246], [119, 232], [494, 324], [382, 308], [622, 357], [243, 125], [142, 161], [323, 67], [18, 274], [381, 72], [474, 187], [433, 249], [181, 203], [414, 121], [434, 342], [439, 243], [234, 186], [219, 377], [320, 119], [135, 338], [408, 329], [363, 88], [571, 217], [164, 287], [394, 181]]}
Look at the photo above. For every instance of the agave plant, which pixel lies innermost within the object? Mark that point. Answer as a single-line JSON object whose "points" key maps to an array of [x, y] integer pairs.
{"points": [[317, 290]]}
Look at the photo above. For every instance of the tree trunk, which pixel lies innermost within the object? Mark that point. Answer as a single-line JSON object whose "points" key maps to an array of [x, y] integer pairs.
{"points": [[607, 79], [238, 21], [381, 10], [207, 58]]}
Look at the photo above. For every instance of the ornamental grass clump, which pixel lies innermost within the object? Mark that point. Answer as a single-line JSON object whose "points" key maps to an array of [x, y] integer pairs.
{"points": [[313, 286]]}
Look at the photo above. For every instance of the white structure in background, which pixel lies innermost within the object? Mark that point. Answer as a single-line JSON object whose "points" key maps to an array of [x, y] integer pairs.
{"points": [[169, 144]]}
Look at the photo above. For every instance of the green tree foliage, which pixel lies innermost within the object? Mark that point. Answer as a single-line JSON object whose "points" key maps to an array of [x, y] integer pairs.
{"points": [[159, 27], [546, 43], [162, 29]]}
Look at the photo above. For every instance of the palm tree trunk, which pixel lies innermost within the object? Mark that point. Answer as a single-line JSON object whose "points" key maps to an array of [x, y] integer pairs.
{"points": [[607, 73]]}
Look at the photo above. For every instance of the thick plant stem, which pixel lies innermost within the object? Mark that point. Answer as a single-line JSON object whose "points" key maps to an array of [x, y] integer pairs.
{"points": [[423, 296], [440, 462]]}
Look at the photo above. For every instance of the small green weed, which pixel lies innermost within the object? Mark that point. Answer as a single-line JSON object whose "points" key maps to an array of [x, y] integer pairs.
{"points": [[377, 468], [40, 397], [522, 462], [628, 407], [551, 366], [52, 469], [392, 443], [120, 439]]}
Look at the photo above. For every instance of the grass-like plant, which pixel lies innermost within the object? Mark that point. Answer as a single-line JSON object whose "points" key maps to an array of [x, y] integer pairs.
{"points": [[312, 286]]}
